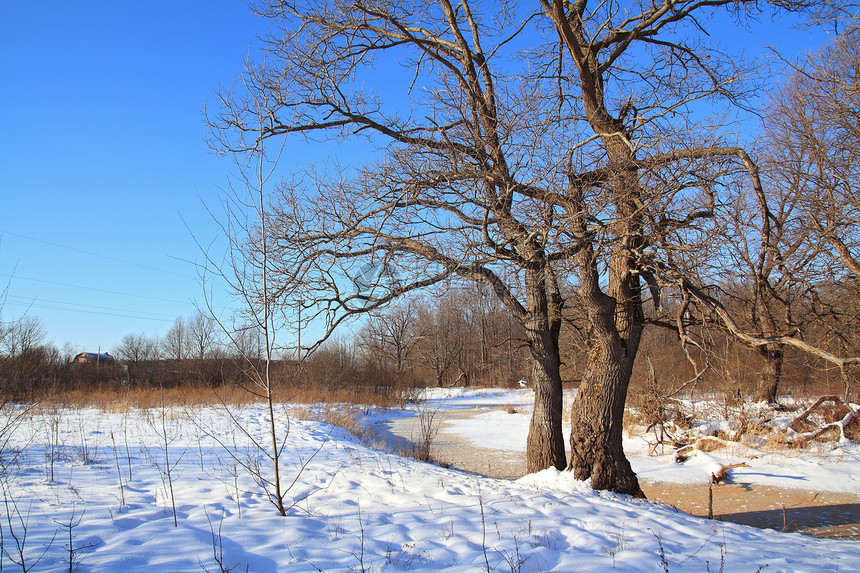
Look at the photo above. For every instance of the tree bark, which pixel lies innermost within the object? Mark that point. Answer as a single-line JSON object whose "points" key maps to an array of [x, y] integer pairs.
{"points": [[545, 443], [771, 372], [597, 419], [616, 322]]}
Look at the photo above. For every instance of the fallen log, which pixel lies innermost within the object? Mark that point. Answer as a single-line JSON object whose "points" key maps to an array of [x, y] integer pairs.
{"points": [[848, 428], [801, 424], [842, 422], [722, 475]]}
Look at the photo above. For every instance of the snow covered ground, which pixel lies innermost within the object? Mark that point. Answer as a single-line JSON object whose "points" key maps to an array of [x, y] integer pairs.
{"points": [[93, 488], [823, 466]]}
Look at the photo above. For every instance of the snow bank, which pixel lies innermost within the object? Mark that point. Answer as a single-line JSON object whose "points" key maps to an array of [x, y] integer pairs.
{"points": [[352, 508], [823, 466]]}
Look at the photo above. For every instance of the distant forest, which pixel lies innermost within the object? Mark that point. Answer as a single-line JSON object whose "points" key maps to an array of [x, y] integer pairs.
{"points": [[464, 337]]}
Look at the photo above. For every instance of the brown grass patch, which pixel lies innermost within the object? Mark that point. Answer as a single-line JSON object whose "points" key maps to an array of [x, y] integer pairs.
{"points": [[383, 398], [117, 398], [344, 416]]}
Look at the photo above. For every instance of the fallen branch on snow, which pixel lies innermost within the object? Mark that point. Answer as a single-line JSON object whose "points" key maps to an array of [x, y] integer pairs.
{"points": [[722, 475], [843, 422]]}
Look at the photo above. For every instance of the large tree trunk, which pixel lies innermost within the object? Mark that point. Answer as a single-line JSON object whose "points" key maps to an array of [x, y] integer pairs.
{"points": [[615, 316], [596, 418], [616, 322], [545, 443], [771, 372]]}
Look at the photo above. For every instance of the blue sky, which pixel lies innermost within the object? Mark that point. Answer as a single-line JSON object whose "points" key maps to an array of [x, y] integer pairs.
{"points": [[103, 159], [104, 170]]}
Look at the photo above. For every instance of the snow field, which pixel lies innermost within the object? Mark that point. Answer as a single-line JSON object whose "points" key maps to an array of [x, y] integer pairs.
{"points": [[352, 508]]}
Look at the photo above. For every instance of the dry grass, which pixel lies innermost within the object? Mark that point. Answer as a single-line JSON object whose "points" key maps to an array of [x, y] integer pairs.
{"points": [[361, 395], [349, 417], [121, 397], [634, 421], [346, 416]]}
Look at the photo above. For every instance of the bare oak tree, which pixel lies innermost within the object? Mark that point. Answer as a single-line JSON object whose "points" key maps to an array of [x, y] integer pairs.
{"points": [[453, 197], [22, 354], [437, 348], [175, 343], [767, 270], [522, 148], [644, 185]]}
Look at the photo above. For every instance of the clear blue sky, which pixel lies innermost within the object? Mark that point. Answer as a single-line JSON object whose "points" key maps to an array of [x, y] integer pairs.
{"points": [[103, 158], [103, 155]]}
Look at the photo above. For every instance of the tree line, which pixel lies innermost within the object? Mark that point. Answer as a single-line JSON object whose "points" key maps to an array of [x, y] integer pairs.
{"points": [[461, 338]]}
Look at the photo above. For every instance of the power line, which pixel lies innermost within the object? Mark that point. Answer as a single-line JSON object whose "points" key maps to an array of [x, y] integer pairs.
{"points": [[66, 305], [81, 311], [18, 277], [94, 254]]}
